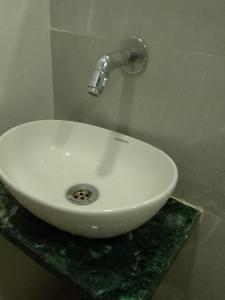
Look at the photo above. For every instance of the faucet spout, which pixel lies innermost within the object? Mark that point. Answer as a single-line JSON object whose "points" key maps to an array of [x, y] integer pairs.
{"points": [[97, 83], [130, 57], [104, 66]]}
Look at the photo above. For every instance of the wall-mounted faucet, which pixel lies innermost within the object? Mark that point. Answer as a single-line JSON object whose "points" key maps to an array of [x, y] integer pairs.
{"points": [[132, 58]]}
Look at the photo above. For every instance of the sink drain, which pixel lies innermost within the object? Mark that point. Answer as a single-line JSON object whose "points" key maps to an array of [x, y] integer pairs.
{"points": [[82, 194]]}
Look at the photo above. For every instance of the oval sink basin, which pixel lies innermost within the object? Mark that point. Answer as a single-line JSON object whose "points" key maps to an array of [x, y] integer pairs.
{"points": [[84, 179]]}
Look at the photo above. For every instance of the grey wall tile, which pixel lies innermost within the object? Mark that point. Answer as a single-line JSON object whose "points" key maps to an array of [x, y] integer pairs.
{"points": [[71, 15], [70, 77], [32, 15], [208, 30], [198, 272], [188, 25], [8, 13], [177, 104], [26, 89], [26, 94]]}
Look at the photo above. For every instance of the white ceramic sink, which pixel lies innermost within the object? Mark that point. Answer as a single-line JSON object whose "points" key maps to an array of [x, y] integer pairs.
{"points": [[40, 161]]}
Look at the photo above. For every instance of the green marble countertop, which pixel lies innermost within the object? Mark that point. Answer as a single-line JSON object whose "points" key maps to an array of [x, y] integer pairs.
{"points": [[128, 267]]}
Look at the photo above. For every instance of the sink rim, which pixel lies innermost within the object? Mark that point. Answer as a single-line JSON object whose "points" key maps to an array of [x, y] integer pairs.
{"points": [[79, 209]]}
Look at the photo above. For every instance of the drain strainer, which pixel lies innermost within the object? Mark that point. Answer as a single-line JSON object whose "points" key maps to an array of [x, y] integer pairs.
{"points": [[82, 194]]}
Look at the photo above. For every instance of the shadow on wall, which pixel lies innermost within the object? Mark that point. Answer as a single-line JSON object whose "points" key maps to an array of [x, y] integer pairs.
{"points": [[22, 278], [121, 125]]}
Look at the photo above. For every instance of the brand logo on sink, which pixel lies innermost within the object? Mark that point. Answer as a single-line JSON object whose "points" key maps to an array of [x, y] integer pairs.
{"points": [[121, 140]]}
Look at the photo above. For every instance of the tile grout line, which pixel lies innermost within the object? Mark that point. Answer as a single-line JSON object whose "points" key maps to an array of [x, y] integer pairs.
{"points": [[188, 51], [56, 29]]}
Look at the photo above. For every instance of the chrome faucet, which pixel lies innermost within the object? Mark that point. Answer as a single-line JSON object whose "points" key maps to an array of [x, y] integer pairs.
{"points": [[132, 59]]}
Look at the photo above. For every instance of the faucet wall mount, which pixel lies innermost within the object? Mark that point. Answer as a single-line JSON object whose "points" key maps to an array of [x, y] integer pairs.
{"points": [[132, 59]]}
